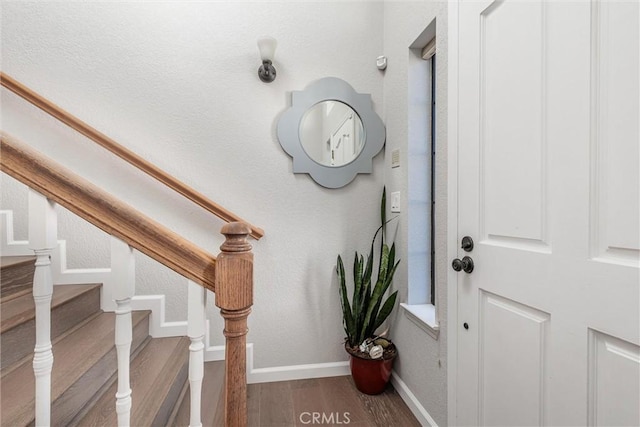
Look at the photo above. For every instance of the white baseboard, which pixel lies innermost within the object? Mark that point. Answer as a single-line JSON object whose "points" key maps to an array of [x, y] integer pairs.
{"points": [[8, 245], [158, 327], [292, 372], [412, 401], [63, 275], [298, 372], [281, 373], [215, 353]]}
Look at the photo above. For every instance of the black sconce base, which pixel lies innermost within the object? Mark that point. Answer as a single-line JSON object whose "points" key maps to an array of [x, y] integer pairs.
{"points": [[267, 72]]}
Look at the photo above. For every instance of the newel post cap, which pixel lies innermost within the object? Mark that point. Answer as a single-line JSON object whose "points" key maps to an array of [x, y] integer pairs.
{"points": [[236, 234]]}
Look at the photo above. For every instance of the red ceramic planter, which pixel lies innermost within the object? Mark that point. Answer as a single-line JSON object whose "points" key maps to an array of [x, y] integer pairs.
{"points": [[371, 375]]}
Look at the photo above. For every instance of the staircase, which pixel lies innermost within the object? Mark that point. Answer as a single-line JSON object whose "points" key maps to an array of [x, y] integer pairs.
{"points": [[85, 368], [148, 375]]}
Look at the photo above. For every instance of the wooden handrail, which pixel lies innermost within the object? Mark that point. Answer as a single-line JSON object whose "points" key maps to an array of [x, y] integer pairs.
{"points": [[105, 211], [122, 152]]}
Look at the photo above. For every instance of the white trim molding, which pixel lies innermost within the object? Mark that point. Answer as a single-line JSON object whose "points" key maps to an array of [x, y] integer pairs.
{"points": [[416, 408], [423, 315], [293, 372], [281, 373], [11, 247], [158, 327]]}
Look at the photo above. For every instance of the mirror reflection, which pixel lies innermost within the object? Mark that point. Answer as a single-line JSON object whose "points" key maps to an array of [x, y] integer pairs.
{"points": [[331, 133]]}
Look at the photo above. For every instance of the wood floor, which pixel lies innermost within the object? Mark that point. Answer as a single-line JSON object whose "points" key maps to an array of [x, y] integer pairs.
{"points": [[324, 401]]}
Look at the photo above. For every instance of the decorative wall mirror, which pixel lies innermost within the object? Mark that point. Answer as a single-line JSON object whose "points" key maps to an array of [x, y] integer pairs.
{"points": [[331, 131]]}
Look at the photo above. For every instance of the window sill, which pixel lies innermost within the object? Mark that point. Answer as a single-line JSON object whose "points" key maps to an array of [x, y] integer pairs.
{"points": [[423, 315]]}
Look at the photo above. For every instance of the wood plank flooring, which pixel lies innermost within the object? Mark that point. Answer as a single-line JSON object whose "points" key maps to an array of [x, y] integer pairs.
{"points": [[324, 401]]}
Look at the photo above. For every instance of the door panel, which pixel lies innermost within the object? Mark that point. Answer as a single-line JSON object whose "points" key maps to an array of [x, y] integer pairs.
{"points": [[611, 395], [512, 363], [512, 129], [615, 148], [549, 187]]}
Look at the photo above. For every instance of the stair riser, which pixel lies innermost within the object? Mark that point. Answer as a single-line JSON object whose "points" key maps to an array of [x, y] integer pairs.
{"points": [[212, 405], [19, 342], [16, 279], [158, 373], [80, 397], [164, 413]]}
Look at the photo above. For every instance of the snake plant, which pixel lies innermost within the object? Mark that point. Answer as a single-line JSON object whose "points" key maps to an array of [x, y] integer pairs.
{"points": [[366, 312]]}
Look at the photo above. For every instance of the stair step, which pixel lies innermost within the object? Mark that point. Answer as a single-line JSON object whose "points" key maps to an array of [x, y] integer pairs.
{"points": [[211, 402], [84, 361], [158, 374], [16, 276], [70, 305]]}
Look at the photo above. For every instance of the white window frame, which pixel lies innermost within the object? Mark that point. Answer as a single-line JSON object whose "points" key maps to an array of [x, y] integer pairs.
{"points": [[420, 306]]}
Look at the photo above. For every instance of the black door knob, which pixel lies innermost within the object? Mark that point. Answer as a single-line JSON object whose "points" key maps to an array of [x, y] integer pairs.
{"points": [[465, 264]]}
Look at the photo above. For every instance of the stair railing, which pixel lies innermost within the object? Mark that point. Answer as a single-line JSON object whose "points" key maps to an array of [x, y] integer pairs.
{"points": [[230, 276], [123, 152]]}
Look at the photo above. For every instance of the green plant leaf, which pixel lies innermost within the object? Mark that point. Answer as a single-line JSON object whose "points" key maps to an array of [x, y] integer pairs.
{"points": [[347, 317], [391, 258], [369, 270], [357, 289], [381, 288], [384, 262], [385, 311]]}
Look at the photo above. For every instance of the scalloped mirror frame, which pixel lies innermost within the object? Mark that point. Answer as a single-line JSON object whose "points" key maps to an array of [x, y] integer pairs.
{"points": [[331, 89]]}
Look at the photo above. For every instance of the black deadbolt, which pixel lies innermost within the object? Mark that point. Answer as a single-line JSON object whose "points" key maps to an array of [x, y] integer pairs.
{"points": [[467, 244], [466, 325]]}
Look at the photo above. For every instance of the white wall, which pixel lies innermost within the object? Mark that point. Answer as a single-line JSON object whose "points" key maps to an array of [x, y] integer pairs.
{"points": [[177, 83], [422, 362]]}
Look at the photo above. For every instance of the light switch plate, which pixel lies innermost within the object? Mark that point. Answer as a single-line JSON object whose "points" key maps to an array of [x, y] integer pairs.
{"points": [[395, 202], [395, 158]]}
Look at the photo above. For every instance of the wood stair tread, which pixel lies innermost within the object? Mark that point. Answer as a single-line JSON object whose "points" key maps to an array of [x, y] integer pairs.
{"points": [[74, 354], [71, 305], [157, 374], [22, 309], [11, 261], [16, 294]]}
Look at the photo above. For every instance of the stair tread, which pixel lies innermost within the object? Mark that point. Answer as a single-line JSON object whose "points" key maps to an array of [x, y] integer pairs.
{"points": [[73, 355], [70, 307], [11, 261], [155, 372], [212, 388], [22, 309], [15, 294]]}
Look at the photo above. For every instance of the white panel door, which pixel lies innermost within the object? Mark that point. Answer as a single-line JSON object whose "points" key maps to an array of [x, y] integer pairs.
{"points": [[548, 322]]}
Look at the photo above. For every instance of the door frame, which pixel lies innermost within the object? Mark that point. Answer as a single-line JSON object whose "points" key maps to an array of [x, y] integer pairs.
{"points": [[452, 209]]}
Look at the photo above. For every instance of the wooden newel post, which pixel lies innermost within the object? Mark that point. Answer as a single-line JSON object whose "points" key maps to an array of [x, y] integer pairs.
{"points": [[234, 297]]}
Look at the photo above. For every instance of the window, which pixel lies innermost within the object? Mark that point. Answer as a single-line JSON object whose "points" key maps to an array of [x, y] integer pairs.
{"points": [[421, 188]]}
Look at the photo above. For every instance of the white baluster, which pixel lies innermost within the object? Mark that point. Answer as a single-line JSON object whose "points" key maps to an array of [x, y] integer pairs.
{"points": [[196, 320], [123, 271], [42, 239]]}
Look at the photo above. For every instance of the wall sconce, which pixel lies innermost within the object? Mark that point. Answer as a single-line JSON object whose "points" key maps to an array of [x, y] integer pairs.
{"points": [[267, 47]]}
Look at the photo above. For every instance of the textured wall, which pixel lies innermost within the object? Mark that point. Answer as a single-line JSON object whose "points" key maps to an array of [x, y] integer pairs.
{"points": [[177, 83], [423, 361]]}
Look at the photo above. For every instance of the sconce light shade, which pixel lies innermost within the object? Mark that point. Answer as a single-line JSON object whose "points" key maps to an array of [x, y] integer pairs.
{"points": [[267, 47]]}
